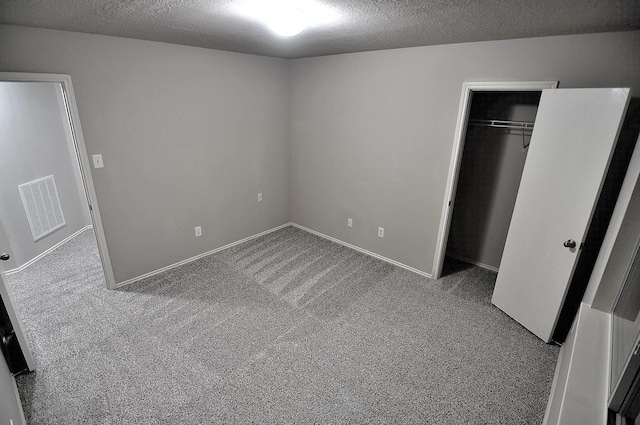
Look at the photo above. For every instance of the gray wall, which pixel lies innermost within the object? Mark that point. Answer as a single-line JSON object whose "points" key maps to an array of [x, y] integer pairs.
{"points": [[34, 137], [489, 178], [189, 136], [372, 132]]}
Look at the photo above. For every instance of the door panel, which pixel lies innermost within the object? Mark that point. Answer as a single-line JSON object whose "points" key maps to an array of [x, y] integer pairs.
{"points": [[16, 324], [571, 146]]}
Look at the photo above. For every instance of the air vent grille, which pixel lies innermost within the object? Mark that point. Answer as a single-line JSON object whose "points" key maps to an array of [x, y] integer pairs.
{"points": [[42, 206]]}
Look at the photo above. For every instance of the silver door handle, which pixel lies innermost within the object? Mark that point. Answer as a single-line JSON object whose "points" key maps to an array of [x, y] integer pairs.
{"points": [[570, 243], [4, 257]]}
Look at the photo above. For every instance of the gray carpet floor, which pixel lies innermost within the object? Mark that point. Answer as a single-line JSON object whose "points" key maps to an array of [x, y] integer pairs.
{"points": [[286, 328]]}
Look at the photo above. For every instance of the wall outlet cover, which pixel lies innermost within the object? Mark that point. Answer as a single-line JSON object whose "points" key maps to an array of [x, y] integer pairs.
{"points": [[381, 232], [349, 222], [198, 231]]}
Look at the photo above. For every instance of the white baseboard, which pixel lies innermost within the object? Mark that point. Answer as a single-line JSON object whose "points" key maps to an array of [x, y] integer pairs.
{"points": [[475, 263], [222, 248], [364, 251], [189, 260], [53, 248]]}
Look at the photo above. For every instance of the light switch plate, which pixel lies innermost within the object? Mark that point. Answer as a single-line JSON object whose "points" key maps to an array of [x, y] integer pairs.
{"points": [[97, 161]]}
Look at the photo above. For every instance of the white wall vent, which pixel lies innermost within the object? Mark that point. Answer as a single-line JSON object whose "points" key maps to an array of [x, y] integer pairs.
{"points": [[42, 206]]}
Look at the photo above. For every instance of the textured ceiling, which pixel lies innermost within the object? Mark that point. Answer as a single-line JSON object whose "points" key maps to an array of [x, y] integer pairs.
{"points": [[359, 25]]}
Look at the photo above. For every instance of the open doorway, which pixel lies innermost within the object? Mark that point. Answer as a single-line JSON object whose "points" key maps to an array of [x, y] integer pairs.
{"points": [[495, 150], [47, 191], [43, 199], [494, 126], [48, 199]]}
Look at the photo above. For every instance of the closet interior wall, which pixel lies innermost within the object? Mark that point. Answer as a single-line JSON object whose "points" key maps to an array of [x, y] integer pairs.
{"points": [[492, 162]]}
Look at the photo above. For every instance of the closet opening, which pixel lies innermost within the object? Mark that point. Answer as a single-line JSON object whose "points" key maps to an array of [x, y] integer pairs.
{"points": [[495, 149], [494, 128]]}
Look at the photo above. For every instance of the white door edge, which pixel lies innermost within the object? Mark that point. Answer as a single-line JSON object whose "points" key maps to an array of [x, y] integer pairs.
{"points": [[16, 323], [581, 118]]}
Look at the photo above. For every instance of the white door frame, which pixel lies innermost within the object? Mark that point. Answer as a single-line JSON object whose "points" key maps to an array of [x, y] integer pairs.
{"points": [[468, 87], [81, 154]]}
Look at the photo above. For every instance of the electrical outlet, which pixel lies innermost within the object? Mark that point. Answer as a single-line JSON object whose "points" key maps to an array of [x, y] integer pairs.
{"points": [[350, 222], [260, 197], [198, 231], [381, 232]]}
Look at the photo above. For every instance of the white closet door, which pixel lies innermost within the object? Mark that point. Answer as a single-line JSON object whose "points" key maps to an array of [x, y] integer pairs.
{"points": [[571, 146]]}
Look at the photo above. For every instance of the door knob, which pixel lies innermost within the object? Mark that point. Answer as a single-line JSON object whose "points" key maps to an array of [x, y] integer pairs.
{"points": [[4, 257], [570, 243]]}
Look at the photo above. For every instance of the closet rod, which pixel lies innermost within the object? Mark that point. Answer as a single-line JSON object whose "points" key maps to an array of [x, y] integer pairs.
{"points": [[516, 125]]}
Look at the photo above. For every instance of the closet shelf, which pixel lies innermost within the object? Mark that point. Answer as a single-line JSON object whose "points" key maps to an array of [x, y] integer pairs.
{"points": [[515, 125]]}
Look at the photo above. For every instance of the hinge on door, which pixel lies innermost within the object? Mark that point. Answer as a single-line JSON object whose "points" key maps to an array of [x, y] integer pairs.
{"points": [[581, 246], [636, 352], [449, 203], [90, 207]]}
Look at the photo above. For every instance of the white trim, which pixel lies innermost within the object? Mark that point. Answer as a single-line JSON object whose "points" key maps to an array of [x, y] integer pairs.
{"points": [[364, 251], [468, 88], [197, 257], [609, 358], [627, 273], [82, 156], [53, 248], [20, 409], [554, 386], [631, 273], [586, 360], [14, 318], [475, 263], [594, 295]]}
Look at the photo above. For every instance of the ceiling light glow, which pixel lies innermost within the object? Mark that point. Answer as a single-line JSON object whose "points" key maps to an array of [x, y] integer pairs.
{"points": [[286, 20], [286, 17]]}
